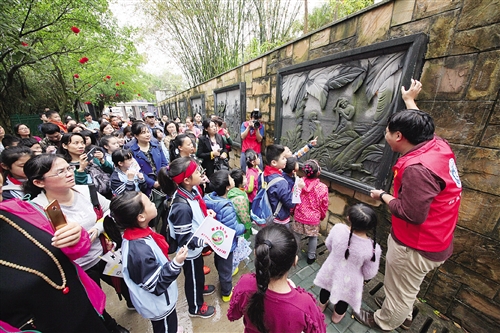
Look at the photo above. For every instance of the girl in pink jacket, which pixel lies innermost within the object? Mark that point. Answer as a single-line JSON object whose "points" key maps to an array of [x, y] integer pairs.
{"points": [[312, 209]]}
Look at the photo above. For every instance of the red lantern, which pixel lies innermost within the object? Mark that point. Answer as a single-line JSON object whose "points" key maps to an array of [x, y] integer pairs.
{"points": [[75, 30], [83, 60]]}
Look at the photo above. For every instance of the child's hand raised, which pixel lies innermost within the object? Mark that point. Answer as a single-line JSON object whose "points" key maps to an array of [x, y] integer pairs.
{"points": [[211, 213], [130, 174], [181, 254]]}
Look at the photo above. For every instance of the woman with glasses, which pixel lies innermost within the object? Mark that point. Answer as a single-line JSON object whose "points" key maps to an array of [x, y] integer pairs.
{"points": [[23, 131], [50, 178]]}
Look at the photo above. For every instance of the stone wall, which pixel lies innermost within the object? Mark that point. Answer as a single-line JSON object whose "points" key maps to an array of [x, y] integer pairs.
{"points": [[461, 81]]}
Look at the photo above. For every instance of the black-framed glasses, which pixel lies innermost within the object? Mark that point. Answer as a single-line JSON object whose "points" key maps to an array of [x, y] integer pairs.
{"points": [[62, 172]]}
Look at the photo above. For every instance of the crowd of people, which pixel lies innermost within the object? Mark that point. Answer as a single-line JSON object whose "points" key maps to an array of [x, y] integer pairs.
{"points": [[104, 174]]}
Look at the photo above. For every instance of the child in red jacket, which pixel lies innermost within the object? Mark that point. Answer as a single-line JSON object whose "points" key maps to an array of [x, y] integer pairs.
{"points": [[312, 210]]}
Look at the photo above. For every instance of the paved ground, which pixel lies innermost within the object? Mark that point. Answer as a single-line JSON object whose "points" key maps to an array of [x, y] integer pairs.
{"points": [[303, 275]]}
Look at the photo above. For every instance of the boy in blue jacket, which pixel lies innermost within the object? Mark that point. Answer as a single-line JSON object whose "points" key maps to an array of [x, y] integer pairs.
{"points": [[221, 182], [280, 192]]}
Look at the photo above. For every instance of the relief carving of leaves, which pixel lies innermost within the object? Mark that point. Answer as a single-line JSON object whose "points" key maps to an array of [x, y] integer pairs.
{"points": [[382, 68], [294, 89], [345, 75], [316, 85], [372, 153]]}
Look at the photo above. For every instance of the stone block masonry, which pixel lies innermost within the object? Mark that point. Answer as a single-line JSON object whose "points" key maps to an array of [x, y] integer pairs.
{"points": [[461, 83]]}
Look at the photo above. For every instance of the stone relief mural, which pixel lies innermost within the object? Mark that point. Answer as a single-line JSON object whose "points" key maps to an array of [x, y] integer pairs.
{"points": [[183, 110], [198, 105], [230, 105], [172, 110], [345, 106]]}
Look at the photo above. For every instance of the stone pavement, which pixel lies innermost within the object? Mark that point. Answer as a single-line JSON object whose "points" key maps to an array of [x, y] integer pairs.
{"points": [[425, 320]]}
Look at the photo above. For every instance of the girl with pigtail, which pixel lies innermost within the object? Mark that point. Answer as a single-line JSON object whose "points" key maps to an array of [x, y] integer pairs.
{"points": [[267, 300], [353, 258], [312, 209]]}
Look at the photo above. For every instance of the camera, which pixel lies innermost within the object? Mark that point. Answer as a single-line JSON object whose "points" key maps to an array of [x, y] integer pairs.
{"points": [[256, 124]]}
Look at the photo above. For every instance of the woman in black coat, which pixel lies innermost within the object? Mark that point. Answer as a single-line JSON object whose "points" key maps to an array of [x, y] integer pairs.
{"points": [[211, 148]]}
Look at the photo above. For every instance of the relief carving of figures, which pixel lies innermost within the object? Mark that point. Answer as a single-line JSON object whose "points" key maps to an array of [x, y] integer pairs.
{"points": [[197, 106], [229, 109], [346, 106], [183, 111]]}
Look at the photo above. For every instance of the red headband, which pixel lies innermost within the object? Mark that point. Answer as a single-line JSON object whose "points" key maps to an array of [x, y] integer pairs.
{"points": [[186, 174]]}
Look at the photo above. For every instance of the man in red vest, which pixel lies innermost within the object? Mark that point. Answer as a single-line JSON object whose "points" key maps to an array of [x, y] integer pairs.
{"points": [[424, 207]]}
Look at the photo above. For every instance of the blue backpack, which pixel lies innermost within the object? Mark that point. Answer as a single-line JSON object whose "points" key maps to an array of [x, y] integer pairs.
{"points": [[262, 212]]}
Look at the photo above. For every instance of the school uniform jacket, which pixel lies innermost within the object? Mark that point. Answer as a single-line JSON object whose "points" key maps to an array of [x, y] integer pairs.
{"points": [[150, 277]]}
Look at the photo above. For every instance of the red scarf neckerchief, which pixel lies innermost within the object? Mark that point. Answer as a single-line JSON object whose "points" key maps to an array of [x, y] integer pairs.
{"points": [[60, 124], [197, 197], [136, 233], [269, 170], [14, 181]]}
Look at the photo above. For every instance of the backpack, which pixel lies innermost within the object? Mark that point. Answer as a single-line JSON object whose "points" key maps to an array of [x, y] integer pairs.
{"points": [[100, 179], [167, 230], [158, 198], [261, 212]]}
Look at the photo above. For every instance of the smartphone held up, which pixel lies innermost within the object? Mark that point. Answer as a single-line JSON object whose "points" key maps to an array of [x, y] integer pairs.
{"points": [[55, 215]]}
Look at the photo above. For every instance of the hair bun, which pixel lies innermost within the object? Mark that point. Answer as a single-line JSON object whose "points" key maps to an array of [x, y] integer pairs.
{"points": [[308, 170]]}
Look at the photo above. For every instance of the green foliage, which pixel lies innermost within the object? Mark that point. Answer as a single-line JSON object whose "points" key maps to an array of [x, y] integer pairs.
{"points": [[208, 37], [40, 54], [331, 11], [255, 48]]}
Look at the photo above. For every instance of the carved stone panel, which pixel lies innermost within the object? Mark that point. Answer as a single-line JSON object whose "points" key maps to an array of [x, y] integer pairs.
{"points": [[230, 105], [162, 110], [183, 110], [344, 101], [198, 105], [173, 111]]}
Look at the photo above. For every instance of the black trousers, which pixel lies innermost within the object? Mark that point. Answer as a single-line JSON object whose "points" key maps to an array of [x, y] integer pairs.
{"points": [[194, 283], [167, 324]]}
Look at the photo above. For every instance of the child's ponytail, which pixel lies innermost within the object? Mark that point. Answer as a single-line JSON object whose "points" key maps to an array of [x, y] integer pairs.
{"points": [[275, 249], [346, 255], [112, 230], [167, 174], [256, 304], [374, 241]]}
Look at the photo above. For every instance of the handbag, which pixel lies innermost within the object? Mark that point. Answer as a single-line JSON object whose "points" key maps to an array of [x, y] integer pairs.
{"points": [[158, 197], [221, 163]]}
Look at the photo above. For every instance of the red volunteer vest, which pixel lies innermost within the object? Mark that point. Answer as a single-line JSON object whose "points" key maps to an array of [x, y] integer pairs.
{"points": [[436, 233], [250, 142]]}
